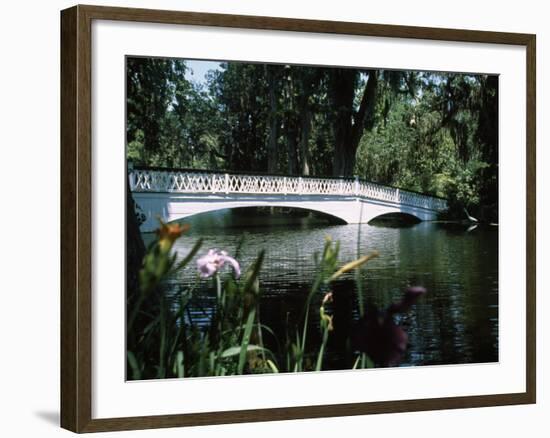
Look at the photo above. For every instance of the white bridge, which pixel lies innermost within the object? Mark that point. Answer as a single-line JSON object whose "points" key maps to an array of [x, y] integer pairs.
{"points": [[177, 194]]}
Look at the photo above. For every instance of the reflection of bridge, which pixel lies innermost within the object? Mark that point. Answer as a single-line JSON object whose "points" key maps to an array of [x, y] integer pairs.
{"points": [[176, 194]]}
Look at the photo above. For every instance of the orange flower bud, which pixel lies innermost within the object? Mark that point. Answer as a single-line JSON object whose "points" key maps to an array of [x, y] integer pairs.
{"points": [[169, 233]]}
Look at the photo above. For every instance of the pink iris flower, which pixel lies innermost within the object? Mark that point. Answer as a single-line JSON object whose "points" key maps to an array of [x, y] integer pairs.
{"points": [[213, 261]]}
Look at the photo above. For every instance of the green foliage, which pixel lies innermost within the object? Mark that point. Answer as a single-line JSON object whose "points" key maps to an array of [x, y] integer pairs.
{"points": [[171, 122], [429, 132], [433, 137], [169, 344], [463, 189]]}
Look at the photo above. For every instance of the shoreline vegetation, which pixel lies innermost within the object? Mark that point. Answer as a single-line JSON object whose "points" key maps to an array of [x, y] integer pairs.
{"points": [[163, 342]]}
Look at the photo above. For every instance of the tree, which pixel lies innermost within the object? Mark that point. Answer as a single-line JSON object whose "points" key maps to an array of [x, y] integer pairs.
{"points": [[149, 93], [240, 93], [273, 81], [349, 123], [430, 132]]}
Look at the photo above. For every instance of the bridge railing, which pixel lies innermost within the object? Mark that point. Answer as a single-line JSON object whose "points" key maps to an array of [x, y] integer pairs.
{"points": [[144, 180]]}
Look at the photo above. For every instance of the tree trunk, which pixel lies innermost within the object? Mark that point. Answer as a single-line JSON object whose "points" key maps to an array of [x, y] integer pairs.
{"points": [[348, 124], [292, 166], [135, 248], [304, 138], [342, 94], [273, 134], [135, 251], [291, 125]]}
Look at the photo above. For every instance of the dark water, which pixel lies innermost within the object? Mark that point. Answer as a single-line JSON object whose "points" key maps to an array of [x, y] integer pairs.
{"points": [[455, 322]]}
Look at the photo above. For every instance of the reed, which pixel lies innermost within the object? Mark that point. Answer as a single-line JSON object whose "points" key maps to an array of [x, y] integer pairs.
{"points": [[164, 342]]}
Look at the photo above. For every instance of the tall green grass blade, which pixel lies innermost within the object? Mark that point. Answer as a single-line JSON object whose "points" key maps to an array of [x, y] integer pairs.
{"points": [[234, 351], [246, 340], [359, 287], [260, 335], [189, 256], [132, 361], [239, 246], [179, 366], [319, 363], [312, 292], [358, 282], [272, 366], [297, 354], [252, 275], [150, 326], [162, 346], [212, 363]]}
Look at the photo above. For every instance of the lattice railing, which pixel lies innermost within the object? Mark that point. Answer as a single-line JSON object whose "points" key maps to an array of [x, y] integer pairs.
{"points": [[142, 180]]}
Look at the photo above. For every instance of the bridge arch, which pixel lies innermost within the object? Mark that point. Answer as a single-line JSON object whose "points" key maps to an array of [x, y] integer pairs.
{"points": [[318, 215], [397, 217]]}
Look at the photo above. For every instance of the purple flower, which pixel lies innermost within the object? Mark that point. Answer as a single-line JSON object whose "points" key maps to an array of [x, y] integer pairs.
{"points": [[379, 336], [213, 261]]}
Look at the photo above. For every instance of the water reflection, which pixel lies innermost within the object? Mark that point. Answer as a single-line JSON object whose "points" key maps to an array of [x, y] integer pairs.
{"points": [[455, 322]]}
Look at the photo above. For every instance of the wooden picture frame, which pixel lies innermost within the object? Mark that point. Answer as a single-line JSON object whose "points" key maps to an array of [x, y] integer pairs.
{"points": [[76, 217]]}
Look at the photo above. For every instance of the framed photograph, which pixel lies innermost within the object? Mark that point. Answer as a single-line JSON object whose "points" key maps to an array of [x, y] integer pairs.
{"points": [[269, 218]]}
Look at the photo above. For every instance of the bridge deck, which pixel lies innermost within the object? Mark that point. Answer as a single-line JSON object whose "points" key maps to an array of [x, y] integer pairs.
{"points": [[202, 182]]}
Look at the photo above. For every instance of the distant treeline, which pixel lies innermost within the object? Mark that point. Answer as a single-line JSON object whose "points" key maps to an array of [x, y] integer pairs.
{"points": [[429, 132]]}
